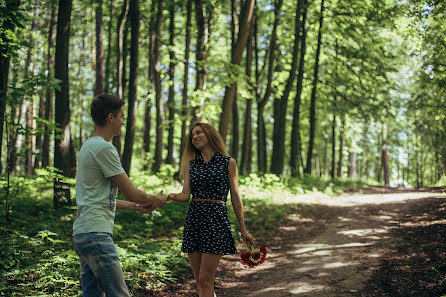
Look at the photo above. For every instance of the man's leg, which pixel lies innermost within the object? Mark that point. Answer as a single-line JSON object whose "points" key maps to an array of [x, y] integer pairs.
{"points": [[99, 253]]}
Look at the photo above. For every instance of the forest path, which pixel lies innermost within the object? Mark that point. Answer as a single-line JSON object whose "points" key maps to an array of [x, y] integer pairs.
{"points": [[328, 248]]}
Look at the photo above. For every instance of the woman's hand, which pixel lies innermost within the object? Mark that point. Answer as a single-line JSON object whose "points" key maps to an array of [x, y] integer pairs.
{"points": [[247, 238]]}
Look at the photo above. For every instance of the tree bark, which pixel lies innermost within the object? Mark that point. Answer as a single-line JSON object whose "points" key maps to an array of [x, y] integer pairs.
{"points": [[133, 85], [245, 166], [333, 143], [171, 92], [242, 38], [64, 158], [280, 105], [385, 158], [108, 67], [99, 86], [235, 117], [313, 119], [341, 147], [296, 142], [261, 131], [120, 71], [184, 110], [158, 91]]}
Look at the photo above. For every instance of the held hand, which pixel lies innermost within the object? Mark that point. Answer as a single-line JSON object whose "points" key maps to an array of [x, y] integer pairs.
{"points": [[162, 199], [247, 238], [147, 209], [170, 197]]}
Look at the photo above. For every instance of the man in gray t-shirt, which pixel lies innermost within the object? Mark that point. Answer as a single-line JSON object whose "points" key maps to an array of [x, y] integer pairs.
{"points": [[99, 175]]}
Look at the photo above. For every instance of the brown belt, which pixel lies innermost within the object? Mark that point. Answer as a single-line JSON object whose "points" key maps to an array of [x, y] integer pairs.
{"points": [[209, 200]]}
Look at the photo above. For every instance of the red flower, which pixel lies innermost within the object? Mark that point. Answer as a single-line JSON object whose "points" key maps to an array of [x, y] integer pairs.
{"points": [[253, 257]]}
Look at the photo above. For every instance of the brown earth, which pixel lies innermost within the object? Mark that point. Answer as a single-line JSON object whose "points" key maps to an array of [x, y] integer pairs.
{"points": [[384, 242]]}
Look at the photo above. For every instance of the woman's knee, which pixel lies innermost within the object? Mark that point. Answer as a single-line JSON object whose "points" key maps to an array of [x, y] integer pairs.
{"points": [[205, 280]]}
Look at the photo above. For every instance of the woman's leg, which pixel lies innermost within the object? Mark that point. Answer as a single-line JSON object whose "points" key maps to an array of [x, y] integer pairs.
{"points": [[195, 260], [206, 277]]}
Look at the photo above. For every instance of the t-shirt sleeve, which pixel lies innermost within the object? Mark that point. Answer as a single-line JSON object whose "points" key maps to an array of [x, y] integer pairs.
{"points": [[108, 161]]}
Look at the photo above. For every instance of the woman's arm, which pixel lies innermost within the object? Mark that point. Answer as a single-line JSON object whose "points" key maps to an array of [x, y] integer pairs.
{"points": [[237, 201], [184, 196]]}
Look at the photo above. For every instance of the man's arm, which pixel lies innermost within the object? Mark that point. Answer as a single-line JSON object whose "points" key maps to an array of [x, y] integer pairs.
{"points": [[131, 193], [128, 205]]}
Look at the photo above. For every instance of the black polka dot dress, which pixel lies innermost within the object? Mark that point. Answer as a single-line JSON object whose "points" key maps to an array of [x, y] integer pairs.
{"points": [[207, 228]]}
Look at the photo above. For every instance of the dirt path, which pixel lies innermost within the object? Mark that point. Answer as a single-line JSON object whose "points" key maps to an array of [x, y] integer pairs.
{"points": [[328, 248]]}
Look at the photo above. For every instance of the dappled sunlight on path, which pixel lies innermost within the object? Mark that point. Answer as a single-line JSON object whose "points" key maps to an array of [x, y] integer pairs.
{"points": [[329, 248]]}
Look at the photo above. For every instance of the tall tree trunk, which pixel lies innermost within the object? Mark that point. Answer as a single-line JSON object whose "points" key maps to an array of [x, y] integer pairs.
{"points": [[352, 165], [99, 86], [202, 21], [235, 118], [385, 158], [121, 53], [296, 142], [184, 110], [341, 147], [242, 38], [261, 131], [133, 85], [171, 94], [158, 91], [12, 8], [64, 158], [245, 167], [280, 105], [108, 67], [151, 72], [324, 173], [313, 119], [333, 143]]}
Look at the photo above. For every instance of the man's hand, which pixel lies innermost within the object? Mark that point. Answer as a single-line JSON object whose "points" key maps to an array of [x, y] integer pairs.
{"points": [[162, 199], [146, 209]]}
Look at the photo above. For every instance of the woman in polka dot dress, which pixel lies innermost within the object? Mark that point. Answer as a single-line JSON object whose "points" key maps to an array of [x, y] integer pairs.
{"points": [[208, 175]]}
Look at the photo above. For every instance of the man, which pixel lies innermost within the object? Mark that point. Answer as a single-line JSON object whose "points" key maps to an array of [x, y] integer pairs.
{"points": [[99, 175]]}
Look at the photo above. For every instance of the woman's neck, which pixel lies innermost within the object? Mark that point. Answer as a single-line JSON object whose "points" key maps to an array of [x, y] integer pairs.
{"points": [[207, 154]]}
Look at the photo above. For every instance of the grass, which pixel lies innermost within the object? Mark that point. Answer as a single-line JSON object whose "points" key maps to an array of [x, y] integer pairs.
{"points": [[36, 253]]}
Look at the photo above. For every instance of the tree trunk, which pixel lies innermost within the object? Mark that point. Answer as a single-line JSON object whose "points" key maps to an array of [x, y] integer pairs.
{"points": [[158, 91], [108, 67], [313, 119], [280, 105], [12, 8], [242, 38], [385, 159], [352, 165], [64, 158], [333, 143], [235, 117], [261, 131], [171, 95], [49, 90], [341, 147], [133, 84], [184, 110], [121, 43], [296, 142], [99, 86], [245, 167]]}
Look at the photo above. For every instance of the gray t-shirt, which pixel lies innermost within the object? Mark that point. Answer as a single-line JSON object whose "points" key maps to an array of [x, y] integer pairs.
{"points": [[95, 191]]}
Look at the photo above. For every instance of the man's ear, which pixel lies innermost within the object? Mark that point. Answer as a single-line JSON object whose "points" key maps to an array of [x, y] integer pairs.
{"points": [[110, 116]]}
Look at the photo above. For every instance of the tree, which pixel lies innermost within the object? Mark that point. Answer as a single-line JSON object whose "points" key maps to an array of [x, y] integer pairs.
{"points": [[171, 92], [64, 157], [133, 84], [99, 86], [313, 120]]}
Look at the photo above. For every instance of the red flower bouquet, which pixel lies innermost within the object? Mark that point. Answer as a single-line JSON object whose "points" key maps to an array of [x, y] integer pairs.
{"points": [[253, 256]]}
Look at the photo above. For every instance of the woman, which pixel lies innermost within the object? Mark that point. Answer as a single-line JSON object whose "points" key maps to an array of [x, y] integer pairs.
{"points": [[208, 175]]}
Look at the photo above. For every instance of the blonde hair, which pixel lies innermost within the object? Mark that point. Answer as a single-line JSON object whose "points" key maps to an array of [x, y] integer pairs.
{"points": [[191, 152]]}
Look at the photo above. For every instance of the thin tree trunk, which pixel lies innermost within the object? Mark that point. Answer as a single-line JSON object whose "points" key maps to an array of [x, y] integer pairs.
{"points": [[245, 166], [281, 105], [333, 143], [313, 119], [133, 84], [242, 38], [121, 43], [158, 91], [64, 158], [341, 147], [171, 94], [296, 142], [202, 21], [184, 110], [385, 158], [108, 67], [99, 86], [261, 131], [235, 117]]}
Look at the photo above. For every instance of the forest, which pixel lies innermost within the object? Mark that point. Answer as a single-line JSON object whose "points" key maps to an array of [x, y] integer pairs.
{"points": [[309, 96]]}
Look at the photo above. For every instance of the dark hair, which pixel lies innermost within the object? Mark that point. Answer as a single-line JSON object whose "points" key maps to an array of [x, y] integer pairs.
{"points": [[102, 106]]}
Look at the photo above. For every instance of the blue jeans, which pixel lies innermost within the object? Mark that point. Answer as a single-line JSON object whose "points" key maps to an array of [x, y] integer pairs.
{"points": [[101, 271]]}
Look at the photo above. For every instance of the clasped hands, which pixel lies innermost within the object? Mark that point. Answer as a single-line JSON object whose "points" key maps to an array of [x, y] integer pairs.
{"points": [[150, 205]]}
